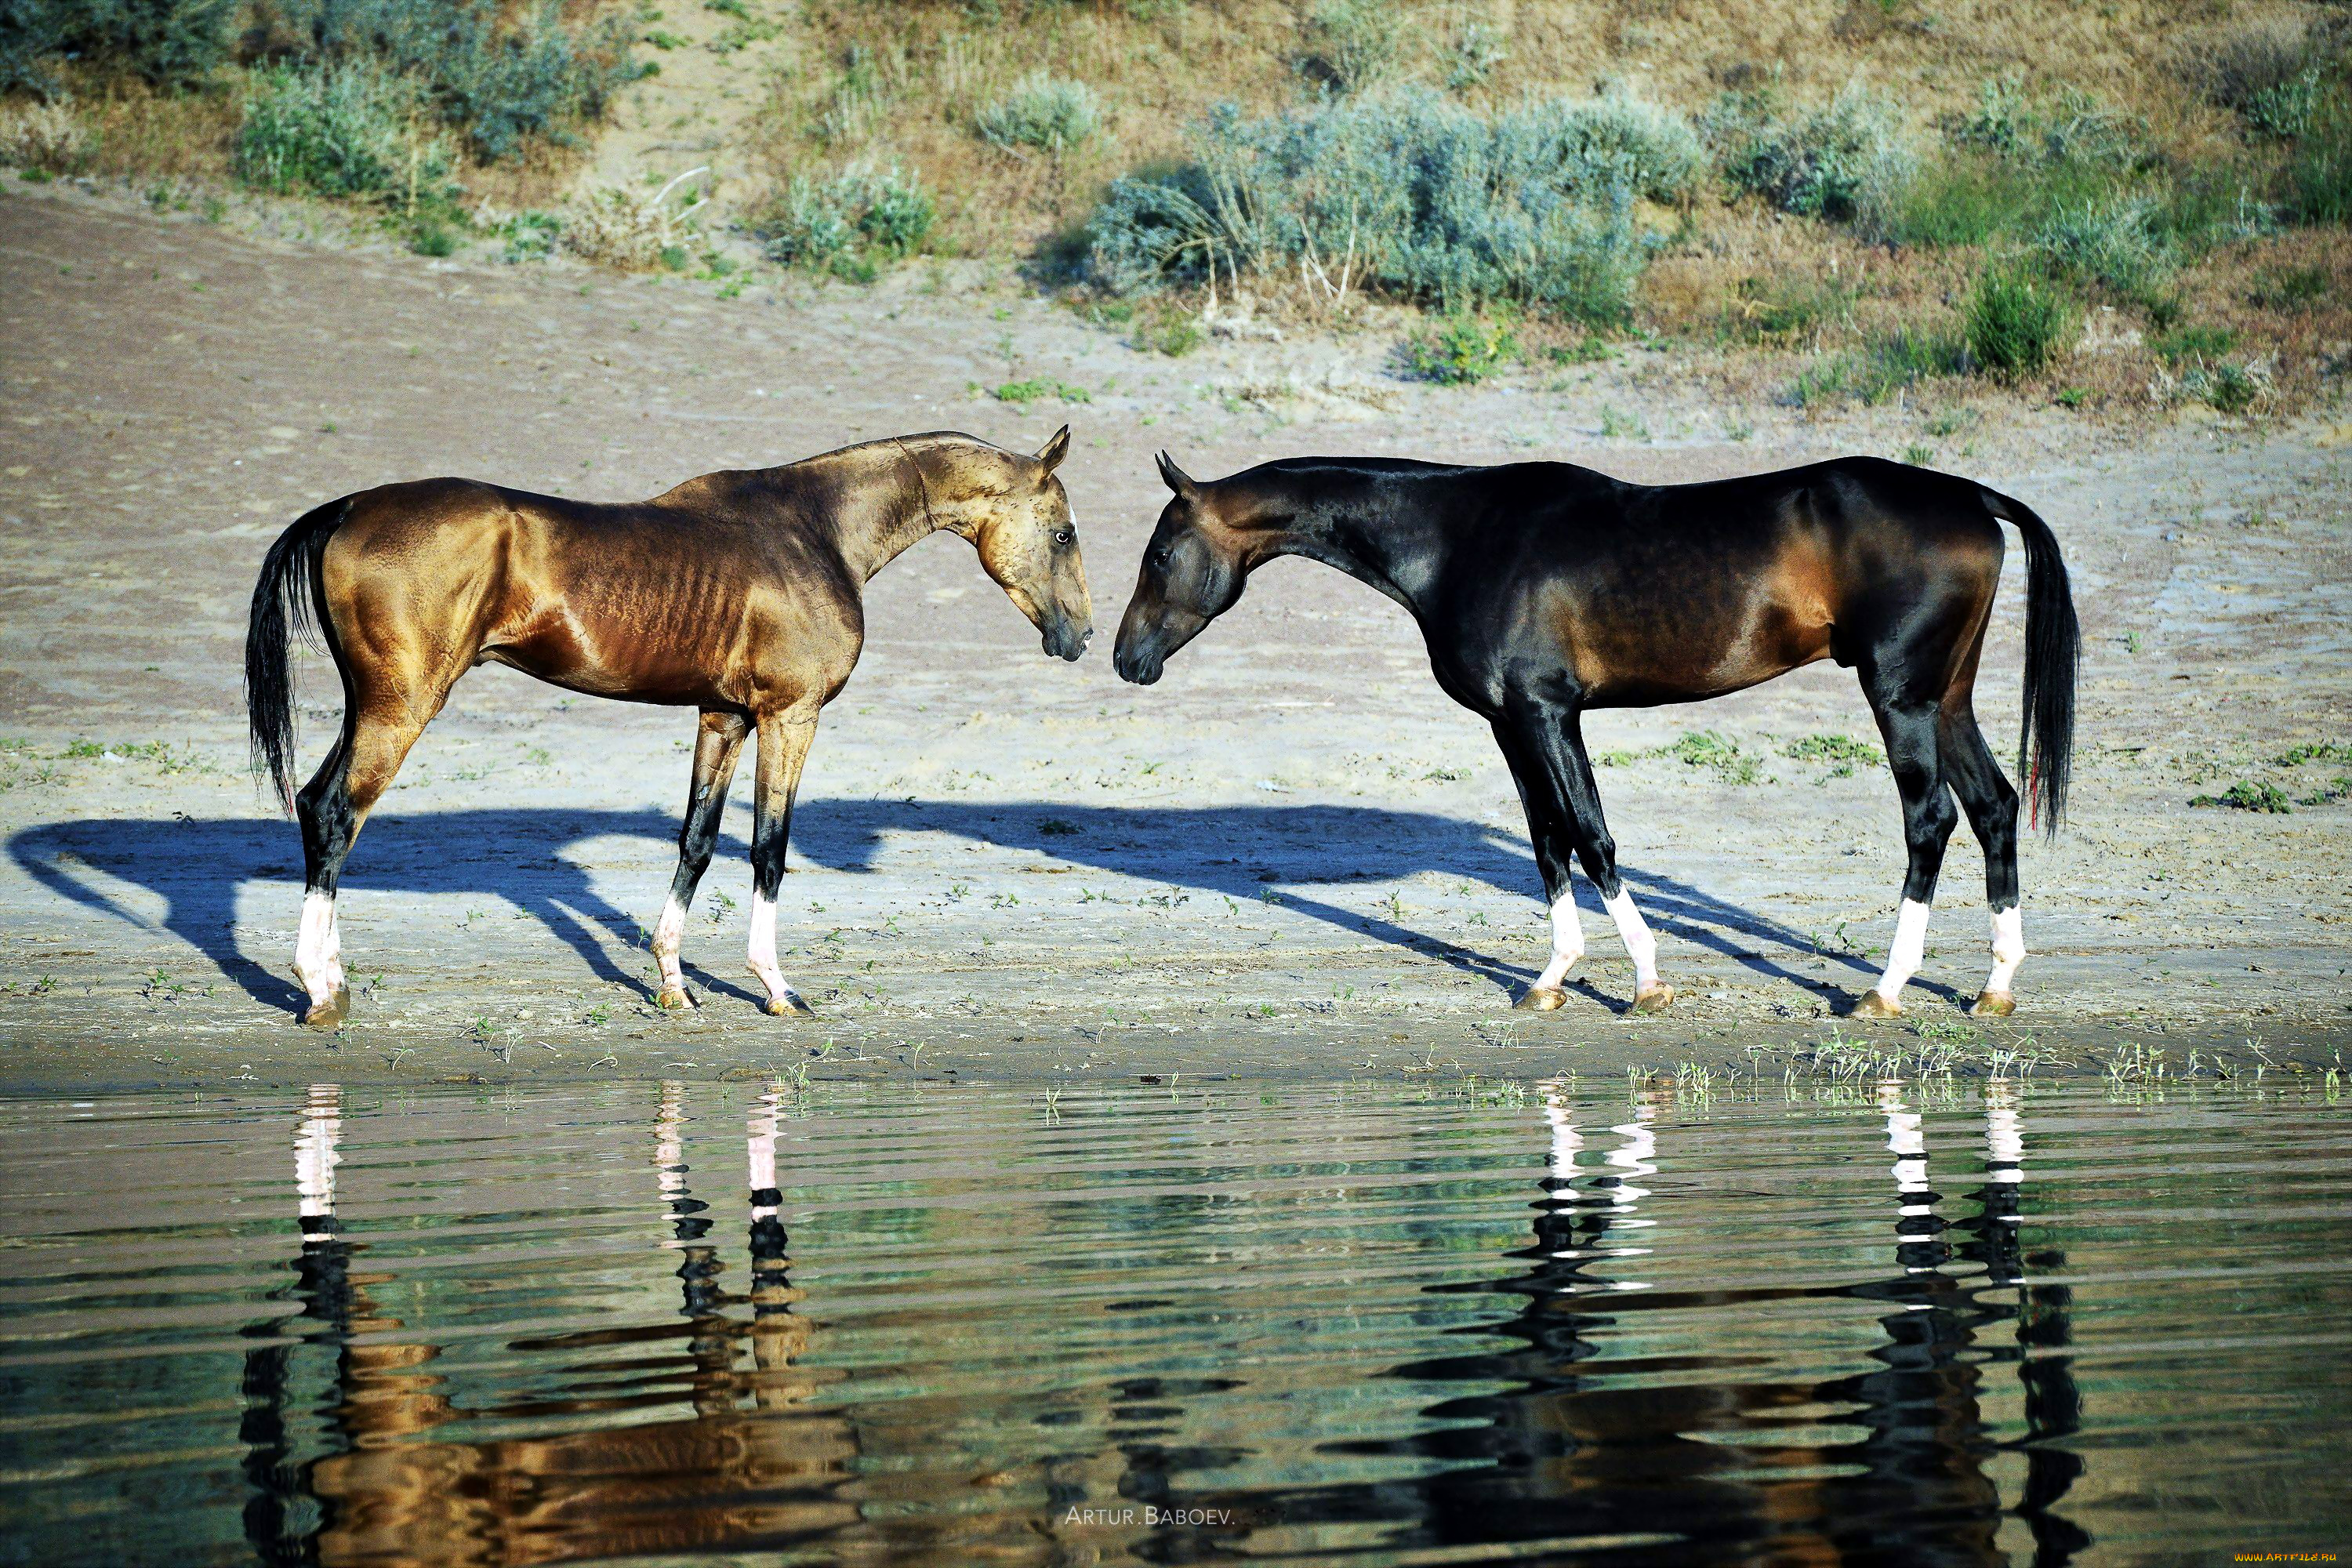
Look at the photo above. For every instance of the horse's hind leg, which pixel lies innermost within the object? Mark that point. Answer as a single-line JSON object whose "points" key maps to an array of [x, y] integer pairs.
{"points": [[716, 749], [783, 747], [331, 808], [1908, 726], [1991, 805]]}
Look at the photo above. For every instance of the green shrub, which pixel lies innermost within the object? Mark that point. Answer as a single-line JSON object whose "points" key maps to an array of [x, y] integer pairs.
{"points": [[334, 131], [1465, 349], [498, 86], [32, 35], [1845, 161], [1044, 111], [2115, 245], [1413, 195], [852, 217], [2014, 322], [2319, 177], [170, 43]]}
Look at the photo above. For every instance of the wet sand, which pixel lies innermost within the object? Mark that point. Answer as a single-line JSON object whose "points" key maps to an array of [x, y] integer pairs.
{"points": [[1293, 858]]}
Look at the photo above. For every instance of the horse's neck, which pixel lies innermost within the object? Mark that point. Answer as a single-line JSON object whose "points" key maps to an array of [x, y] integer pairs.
{"points": [[888, 504], [1379, 538], [871, 531]]}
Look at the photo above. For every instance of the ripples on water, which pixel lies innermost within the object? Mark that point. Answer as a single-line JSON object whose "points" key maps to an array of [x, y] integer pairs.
{"points": [[953, 1325]]}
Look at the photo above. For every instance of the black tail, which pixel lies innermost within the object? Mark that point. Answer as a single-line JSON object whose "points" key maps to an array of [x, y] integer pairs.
{"points": [[288, 600], [2054, 645]]}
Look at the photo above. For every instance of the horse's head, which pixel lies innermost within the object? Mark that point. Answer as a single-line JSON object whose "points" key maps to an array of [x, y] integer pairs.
{"points": [[1020, 522], [1193, 572]]}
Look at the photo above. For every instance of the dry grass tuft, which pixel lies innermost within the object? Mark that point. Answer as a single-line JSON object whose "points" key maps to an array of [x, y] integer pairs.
{"points": [[631, 232], [47, 138]]}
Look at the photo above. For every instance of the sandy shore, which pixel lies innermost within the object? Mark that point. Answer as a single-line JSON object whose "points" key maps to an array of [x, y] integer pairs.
{"points": [[1292, 858]]}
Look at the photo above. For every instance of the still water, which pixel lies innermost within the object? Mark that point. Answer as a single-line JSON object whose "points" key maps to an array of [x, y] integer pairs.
{"points": [[929, 1324]]}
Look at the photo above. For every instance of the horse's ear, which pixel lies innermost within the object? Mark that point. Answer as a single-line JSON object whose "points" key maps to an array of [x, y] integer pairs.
{"points": [[1056, 449], [1177, 480]]}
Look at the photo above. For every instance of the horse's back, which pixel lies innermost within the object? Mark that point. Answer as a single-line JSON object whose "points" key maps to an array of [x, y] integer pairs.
{"points": [[1667, 592]]}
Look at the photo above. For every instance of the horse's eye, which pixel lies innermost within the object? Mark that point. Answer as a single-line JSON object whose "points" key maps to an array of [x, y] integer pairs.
{"points": [[1161, 557], [1064, 537]]}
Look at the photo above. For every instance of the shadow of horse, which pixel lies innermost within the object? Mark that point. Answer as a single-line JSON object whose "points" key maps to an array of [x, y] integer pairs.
{"points": [[199, 866]]}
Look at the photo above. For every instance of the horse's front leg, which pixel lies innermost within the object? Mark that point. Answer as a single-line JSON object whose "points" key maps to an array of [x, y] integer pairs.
{"points": [[784, 739], [1549, 835], [716, 749], [1552, 732]]}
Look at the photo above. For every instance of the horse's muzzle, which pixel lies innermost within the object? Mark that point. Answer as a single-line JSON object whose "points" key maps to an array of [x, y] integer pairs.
{"points": [[1068, 639], [1137, 664]]}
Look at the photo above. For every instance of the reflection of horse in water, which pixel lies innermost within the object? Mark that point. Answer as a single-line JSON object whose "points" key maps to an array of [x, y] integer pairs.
{"points": [[1672, 1457], [728, 1476], [1682, 1456]]}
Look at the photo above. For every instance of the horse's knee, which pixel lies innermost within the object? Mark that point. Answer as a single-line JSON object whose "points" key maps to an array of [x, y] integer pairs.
{"points": [[1929, 827]]}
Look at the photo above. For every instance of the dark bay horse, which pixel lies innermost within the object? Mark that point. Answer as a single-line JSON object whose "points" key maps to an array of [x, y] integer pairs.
{"points": [[739, 593], [1544, 589]]}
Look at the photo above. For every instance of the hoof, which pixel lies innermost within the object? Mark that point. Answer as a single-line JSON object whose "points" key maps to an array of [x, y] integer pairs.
{"points": [[1653, 998], [327, 1014], [788, 1005], [1993, 1004], [1873, 1006], [1541, 999], [674, 999]]}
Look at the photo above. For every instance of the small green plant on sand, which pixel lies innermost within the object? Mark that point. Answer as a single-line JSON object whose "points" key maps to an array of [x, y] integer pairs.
{"points": [[1842, 752], [1021, 393], [1463, 350], [2247, 795]]}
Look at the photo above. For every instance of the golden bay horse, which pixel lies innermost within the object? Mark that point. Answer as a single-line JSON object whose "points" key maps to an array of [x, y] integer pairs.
{"points": [[1544, 589], [739, 594]]}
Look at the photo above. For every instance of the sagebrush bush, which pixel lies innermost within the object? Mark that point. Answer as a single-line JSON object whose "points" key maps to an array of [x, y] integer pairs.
{"points": [[2077, 127], [855, 213], [497, 86], [2015, 322], [46, 138], [345, 130], [2117, 244], [1846, 159], [1046, 112], [1412, 196]]}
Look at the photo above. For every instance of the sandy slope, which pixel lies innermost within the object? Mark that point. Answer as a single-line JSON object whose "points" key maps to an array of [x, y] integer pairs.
{"points": [[1294, 855]]}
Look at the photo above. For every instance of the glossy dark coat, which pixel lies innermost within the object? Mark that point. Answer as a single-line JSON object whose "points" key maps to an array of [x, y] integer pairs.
{"points": [[1545, 589]]}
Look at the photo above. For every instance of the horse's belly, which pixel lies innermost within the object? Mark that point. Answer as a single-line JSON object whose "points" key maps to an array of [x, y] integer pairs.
{"points": [[556, 648]]}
